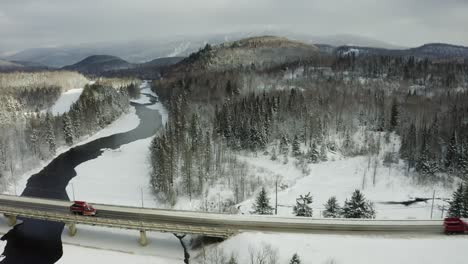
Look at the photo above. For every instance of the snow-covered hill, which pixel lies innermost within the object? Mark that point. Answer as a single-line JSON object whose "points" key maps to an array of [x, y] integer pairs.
{"points": [[433, 51]]}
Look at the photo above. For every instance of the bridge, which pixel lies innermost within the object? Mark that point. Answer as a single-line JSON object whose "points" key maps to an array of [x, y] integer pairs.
{"points": [[198, 223]]}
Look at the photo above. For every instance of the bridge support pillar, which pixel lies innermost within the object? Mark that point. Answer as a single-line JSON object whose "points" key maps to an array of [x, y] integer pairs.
{"points": [[11, 220], [143, 239], [72, 229]]}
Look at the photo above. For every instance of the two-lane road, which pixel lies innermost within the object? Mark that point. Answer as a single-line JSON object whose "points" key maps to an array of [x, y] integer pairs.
{"points": [[221, 225]]}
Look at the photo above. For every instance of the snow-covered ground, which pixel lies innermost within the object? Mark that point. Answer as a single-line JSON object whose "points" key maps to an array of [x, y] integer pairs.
{"points": [[122, 177], [125, 169], [340, 178], [352, 249], [125, 123], [74, 255], [65, 101]]}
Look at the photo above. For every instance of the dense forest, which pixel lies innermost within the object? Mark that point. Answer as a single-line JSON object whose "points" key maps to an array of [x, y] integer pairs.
{"points": [[304, 110], [29, 134]]}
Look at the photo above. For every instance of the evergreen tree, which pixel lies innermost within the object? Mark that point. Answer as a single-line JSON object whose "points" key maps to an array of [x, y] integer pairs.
{"points": [[456, 204], [229, 89], [274, 156], [34, 138], [312, 154], [232, 260], [462, 159], [452, 151], [323, 152], [208, 153], [284, 145], [68, 129], [424, 164], [358, 207], [394, 115], [295, 259], [262, 204], [302, 207], [465, 202], [332, 208], [50, 135], [296, 147], [348, 144]]}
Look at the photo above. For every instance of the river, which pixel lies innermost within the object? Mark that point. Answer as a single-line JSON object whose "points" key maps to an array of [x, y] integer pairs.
{"points": [[38, 241]]}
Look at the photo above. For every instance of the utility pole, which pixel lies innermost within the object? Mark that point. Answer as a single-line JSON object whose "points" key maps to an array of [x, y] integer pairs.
{"points": [[276, 196], [443, 209], [432, 207], [142, 203], [73, 191]]}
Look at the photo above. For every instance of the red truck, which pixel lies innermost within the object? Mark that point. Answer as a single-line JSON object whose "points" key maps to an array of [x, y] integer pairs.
{"points": [[455, 225], [82, 208]]}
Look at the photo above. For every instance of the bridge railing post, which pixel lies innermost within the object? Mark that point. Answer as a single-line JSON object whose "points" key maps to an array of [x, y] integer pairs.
{"points": [[72, 229], [143, 239], [11, 219]]}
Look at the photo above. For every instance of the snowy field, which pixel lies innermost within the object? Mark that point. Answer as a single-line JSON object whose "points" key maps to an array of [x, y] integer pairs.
{"points": [[353, 249], [340, 178], [65, 101], [125, 169]]}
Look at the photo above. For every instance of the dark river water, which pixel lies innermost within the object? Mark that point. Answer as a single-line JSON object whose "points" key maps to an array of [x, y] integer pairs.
{"points": [[37, 241]]}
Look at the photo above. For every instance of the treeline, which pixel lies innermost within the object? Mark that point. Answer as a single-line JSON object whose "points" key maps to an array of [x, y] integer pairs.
{"points": [[36, 136], [448, 74], [357, 206], [22, 92], [305, 110], [66, 80], [187, 159]]}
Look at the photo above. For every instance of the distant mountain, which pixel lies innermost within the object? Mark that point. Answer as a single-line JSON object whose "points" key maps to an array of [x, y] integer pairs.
{"points": [[145, 71], [97, 64], [161, 62], [9, 66], [258, 52], [143, 50], [434, 51], [440, 51], [133, 52], [349, 40]]}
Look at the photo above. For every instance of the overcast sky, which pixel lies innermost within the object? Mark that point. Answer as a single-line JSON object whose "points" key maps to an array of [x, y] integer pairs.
{"points": [[34, 23]]}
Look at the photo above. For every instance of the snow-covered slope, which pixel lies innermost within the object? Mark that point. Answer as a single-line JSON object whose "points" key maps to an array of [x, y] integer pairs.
{"points": [[65, 101]]}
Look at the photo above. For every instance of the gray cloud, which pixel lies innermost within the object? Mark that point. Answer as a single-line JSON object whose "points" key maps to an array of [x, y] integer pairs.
{"points": [[31, 23]]}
